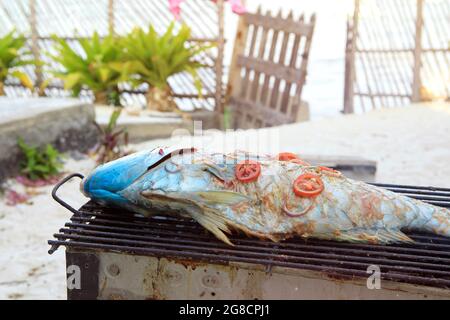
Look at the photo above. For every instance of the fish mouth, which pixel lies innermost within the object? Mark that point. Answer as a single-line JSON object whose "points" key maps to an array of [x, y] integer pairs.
{"points": [[83, 183]]}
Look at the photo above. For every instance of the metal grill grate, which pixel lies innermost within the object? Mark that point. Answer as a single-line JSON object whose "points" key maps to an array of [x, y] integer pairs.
{"points": [[426, 262]]}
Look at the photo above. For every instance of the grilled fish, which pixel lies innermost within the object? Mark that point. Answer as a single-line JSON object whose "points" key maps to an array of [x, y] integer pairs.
{"points": [[263, 196]]}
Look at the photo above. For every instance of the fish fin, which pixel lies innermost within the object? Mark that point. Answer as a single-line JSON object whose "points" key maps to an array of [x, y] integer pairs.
{"points": [[222, 197], [360, 235], [215, 171], [210, 219], [214, 223]]}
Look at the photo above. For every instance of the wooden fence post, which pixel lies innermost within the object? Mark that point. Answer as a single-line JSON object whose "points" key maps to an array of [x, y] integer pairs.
{"points": [[219, 62], [350, 73], [348, 85], [416, 83], [234, 73], [35, 45], [111, 16]]}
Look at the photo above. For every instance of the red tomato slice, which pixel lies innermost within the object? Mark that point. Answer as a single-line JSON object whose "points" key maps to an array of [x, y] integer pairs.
{"points": [[247, 171], [308, 185], [286, 156]]}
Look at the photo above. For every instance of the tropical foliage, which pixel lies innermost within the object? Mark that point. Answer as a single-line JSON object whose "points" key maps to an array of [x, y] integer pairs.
{"points": [[111, 144], [40, 163], [12, 56], [155, 58], [99, 66]]}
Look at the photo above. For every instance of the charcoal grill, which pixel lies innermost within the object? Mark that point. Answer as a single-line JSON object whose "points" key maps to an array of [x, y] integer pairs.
{"points": [[120, 255]]}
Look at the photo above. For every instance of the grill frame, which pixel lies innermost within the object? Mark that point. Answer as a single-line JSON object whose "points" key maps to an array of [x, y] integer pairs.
{"points": [[425, 263]]}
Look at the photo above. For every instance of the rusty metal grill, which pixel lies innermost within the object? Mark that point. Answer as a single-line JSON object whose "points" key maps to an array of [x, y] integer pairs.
{"points": [[426, 262]]}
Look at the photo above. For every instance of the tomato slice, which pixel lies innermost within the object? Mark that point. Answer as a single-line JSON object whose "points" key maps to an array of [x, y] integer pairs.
{"points": [[308, 185], [247, 171], [330, 171], [286, 156], [300, 162]]}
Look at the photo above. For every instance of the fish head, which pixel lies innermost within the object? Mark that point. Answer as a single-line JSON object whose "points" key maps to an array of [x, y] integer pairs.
{"points": [[187, 174], [107, 180], [188, 171], [185, 179]]}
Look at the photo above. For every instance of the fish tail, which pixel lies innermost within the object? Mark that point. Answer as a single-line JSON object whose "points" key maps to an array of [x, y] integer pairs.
{"points": [[438, 221]]}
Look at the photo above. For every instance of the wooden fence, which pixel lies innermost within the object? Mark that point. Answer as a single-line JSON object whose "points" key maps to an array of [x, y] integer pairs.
{"points": [[268, 69], [74, 19], [397, 52]]}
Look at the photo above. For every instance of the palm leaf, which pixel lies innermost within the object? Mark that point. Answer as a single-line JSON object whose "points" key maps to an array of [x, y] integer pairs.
{"points": [[12, 56], [156, 58], [24, 79], [99, 65]]}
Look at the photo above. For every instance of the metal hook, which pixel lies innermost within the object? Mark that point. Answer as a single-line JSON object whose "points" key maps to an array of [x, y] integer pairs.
{"points": [[59, 184]]}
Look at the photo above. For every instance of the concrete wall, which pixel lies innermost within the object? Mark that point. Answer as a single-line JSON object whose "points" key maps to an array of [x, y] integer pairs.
{"points": [[65, 123]]}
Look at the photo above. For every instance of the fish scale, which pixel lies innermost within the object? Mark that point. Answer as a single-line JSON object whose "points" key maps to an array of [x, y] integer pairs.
{"points": [[204, 187]]}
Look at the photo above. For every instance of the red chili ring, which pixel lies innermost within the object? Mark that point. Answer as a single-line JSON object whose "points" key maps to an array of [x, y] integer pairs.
{"points": [[247, 171], [330, 171], [308, 185]]}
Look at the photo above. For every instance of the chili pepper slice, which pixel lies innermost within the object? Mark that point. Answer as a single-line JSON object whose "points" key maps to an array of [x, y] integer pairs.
{"points": [[308, 185], [330, 171], [300, 162], [286, 156], [247, 171]]}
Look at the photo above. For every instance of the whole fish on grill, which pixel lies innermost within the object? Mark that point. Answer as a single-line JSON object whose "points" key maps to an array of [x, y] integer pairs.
{"points": [[269, 197]]}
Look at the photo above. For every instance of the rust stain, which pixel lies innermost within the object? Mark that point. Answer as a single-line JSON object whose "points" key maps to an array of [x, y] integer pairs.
{"points": [[253, 288], [188, 263], [115, 296], [339, 278], [305, 229]]}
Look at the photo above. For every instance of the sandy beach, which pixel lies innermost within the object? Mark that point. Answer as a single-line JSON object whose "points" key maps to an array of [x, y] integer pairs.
{"points": [[411, 146]]}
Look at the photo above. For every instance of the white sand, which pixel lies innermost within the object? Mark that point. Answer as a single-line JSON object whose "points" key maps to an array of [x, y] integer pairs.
{"points": [[411, 146]]}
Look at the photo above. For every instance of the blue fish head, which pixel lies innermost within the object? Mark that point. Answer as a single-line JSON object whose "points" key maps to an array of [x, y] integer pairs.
{"points": [[104, 183]]}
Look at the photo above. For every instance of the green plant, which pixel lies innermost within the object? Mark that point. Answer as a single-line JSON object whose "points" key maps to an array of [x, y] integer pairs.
{"points": [[39, 163], [227, 118], [99, 66], [154, 59], [110, 146], [12, 56]]}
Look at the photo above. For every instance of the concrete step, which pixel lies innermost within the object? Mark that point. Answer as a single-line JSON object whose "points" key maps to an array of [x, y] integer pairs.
{"points": [[64, 122]]}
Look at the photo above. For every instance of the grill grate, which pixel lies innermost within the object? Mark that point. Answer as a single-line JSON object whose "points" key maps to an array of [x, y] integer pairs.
{"points": [[426, 262]]}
